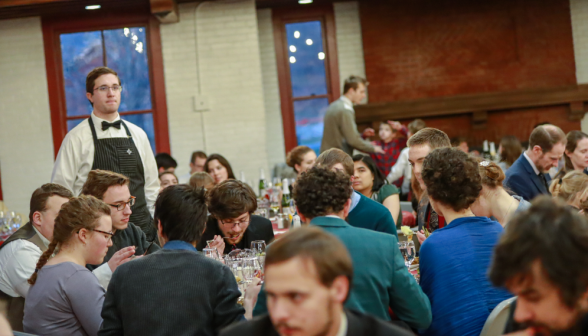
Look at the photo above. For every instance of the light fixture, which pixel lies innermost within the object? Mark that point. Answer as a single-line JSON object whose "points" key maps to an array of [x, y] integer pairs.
{"points": [[292, 48], [309, 41], [304, 2], [92, 7], [296, 34], [292, 59], [321, 55]]}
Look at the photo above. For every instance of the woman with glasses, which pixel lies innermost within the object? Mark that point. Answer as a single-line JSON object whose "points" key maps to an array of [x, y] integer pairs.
{"points": [[65, 297]]}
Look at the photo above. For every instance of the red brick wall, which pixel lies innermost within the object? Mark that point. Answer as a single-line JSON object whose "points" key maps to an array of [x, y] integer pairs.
{"points": [[423, 48]]}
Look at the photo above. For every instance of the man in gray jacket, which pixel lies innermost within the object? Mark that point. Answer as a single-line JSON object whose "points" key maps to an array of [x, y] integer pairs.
{"points": [[340, 129]]}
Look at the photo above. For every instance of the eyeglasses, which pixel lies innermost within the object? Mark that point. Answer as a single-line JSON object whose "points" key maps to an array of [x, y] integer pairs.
{"points": [[120, 206], [109, 234], [232, 225], [105, 88]]}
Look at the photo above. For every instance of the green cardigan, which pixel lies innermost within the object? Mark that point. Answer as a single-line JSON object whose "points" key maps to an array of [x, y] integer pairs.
{"points": [[380, 278], [369, 214]]}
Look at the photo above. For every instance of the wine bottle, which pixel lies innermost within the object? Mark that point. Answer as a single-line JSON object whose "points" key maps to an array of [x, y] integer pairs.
{"points": [[285, 196], [262, 184]]}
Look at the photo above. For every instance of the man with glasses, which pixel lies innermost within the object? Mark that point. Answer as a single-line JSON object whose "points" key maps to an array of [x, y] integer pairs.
{"points": [[128, 239], [231, 205], [104, 141]]}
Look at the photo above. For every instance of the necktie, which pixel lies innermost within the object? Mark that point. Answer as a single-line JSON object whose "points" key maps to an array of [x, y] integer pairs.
{"points": [[106, 125], [543, 180]]}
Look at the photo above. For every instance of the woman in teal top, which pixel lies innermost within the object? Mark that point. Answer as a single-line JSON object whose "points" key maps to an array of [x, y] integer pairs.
{"points": [[370, 182]]}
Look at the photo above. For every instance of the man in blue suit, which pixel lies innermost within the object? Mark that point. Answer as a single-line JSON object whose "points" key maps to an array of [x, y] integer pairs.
{"points": [[380, 277], [528, 177]]}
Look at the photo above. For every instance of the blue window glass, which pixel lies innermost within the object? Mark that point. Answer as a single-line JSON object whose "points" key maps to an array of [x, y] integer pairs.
{"points": [[126, 53], [309, 114], [306, 58], [80, 53]]}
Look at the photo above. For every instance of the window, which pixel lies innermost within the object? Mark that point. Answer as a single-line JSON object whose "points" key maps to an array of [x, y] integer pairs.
{"points": [[130, 48], [307, 72]]}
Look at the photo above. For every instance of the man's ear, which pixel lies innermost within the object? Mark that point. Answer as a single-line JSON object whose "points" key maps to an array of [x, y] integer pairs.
{"points": [[347, 207], [90, 97], [303, 219], [537, 150], [37, 218], [340, 288]]}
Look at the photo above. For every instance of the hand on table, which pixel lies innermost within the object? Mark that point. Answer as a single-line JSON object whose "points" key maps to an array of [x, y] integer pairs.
{"points": [[368, 132], [219, 244], [120, 257], [421, 236]]}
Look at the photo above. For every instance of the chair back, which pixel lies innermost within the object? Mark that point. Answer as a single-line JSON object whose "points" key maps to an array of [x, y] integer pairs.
{"points": [[496, 322]]}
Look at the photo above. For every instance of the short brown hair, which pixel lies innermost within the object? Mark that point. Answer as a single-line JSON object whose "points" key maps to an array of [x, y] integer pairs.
{"points": [[99, 181], [491, 174], [198, 154], [328, 254], [94, 74], [353, 83], [332, 156], [201, 180], [42, 194], [554, 234], [430, 136], [230, 199], [416, 125], [452, 178], [296, 155], [545, 136]]}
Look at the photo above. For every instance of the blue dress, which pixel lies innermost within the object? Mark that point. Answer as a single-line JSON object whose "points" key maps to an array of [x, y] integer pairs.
{"points": [[454, 263]]}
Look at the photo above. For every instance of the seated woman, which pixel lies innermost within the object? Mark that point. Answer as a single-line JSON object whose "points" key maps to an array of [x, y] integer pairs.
{"points": [[573, 189], [201, 179], [509, 149], [575, 156], [494, 201], [370, 182], [219, 168], [65, 297], [454, 260], [166, 179], [301, 158]]}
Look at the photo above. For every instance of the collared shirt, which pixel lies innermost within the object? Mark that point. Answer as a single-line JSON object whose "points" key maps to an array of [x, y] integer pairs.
{"points": [[343, 325], [384, 162], [19, 260], [347, 103], [403, 169], [179, 245], [76, 157], [355, 198], [537, 172]]}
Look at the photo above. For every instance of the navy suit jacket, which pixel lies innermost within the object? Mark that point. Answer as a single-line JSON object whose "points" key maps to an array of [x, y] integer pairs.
{"points": [[522, 180]]}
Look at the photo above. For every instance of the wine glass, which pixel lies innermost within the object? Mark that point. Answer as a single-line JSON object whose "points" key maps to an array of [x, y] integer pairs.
{"points": [[258, 246], [402, 247], [410, 252]]}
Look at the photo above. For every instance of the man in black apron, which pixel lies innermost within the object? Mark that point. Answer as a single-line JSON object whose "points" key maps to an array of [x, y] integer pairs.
{"points": [[125, 154]]}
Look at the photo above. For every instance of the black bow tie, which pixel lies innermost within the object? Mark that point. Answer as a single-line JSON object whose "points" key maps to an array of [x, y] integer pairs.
{"points": [[106, 124]]}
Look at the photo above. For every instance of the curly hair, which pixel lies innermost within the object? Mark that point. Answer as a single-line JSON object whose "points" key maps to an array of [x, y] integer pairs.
{"points": [[296, 155], [491, 174], [319, 192], [452, 178], [80, 212]]}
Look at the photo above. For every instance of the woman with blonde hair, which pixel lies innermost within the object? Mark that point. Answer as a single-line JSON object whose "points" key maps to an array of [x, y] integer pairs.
{"points": [[201, 180], [65, 297], [573, 189], [494, 201]]}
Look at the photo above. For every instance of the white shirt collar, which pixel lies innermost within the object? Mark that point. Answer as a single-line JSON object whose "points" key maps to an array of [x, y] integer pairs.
{"points": [[98, 121], [43, 239], [346, 100], [343, 325], [531, 163]]}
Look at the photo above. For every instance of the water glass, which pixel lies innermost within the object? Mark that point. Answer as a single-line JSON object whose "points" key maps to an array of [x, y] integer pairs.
{"points": [[410, 253], [403, 252], [211, 253], [258, 246]]}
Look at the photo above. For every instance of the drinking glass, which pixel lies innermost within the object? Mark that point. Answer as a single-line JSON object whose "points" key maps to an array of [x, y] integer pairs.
{"points": [[248, 266], [403, 252], [211, 253], [410, 252], [258, 246]]}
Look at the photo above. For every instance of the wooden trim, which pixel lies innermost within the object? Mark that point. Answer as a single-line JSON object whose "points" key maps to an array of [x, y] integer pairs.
{"points": [[445, 106], [54, 26], [282, 16]]}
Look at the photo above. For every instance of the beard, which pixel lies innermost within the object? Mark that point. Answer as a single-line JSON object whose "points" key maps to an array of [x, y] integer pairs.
{"points": [[323, 330], [579, 328]]}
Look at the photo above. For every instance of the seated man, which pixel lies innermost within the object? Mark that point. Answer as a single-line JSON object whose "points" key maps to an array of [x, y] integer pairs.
{"points": [[364, 212], [113, 189], [20, 253], [231, 205], [380, 278], [176, 290], [308, 275], [541, 258]]}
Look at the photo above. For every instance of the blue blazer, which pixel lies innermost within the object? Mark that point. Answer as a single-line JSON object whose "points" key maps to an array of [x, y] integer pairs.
{"points": [[522, 180]]}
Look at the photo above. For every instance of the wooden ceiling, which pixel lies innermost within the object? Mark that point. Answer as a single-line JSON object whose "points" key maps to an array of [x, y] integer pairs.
{"points": [[22, 8]]}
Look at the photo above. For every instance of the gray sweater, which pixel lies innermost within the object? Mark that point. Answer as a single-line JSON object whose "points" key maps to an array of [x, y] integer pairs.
{"points": [[171, 292]]}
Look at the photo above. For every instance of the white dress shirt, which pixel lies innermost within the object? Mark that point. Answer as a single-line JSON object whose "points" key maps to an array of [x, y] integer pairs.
{"points": [[18, 261], [401, 168], [76, 157], [531, 163], [342, 325]]}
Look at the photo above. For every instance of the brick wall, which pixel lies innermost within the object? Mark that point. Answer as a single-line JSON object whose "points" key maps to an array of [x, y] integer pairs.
{"points": [[271, 89], [419, 49], [214, 52], [26, 144], [579, 16]]}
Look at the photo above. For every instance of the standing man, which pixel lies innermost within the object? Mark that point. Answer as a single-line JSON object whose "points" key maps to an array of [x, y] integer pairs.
{"points": [[529, 174], [340, 130], [105, 142], [197, 161]]}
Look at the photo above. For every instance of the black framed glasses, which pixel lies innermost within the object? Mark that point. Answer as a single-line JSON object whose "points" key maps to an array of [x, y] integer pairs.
{"points": [[109, 234], [233, 224], [120, 206]]}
